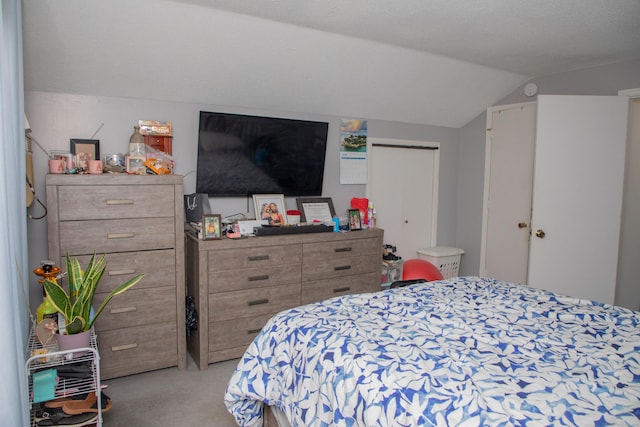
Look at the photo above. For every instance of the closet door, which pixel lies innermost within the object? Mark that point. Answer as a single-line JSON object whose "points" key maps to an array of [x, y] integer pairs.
{"points": [[577, 197], [403, 185]]}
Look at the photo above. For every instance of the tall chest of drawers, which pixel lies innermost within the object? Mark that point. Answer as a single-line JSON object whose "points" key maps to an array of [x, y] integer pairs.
{"points": [[138, 222], [239, 284]]}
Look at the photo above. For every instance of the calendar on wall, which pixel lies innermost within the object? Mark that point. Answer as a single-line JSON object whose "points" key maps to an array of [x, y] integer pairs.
{"points": [[353, 151]]}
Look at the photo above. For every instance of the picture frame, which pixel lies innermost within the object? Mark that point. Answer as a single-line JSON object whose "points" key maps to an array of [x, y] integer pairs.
{"points": [[68, 159], [269, 208], [355, 222], [135, 164], [84, 150], [211, 227], [316, 209]]}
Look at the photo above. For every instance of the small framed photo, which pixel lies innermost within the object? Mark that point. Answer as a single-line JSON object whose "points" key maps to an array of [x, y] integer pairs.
{"points": [[211, 227], [354, 220], [270, 209], [85, 150], [135, 165], [316, 209], [68, 159]]}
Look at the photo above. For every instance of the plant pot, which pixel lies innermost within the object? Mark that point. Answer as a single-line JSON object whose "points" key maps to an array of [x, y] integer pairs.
{"points": [[72, 342]]}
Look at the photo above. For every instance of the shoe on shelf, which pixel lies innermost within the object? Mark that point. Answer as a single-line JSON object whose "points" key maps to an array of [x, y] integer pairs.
{"points": [[88, 405], [57, 403], [56, 417]]}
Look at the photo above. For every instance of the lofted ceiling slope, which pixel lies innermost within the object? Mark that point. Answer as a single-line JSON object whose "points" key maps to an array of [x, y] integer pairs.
{"points": [[531, 38], [435, 62]]}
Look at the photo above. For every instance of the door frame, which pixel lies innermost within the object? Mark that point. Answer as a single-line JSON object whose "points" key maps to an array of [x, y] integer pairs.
{"points": [[626, 293], [487, 177], [631, 93], [408, 144]]}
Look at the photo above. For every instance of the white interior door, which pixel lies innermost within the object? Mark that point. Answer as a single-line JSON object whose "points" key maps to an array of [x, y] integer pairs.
{"points": [[403, 185], [508, 191], [577, 197]]}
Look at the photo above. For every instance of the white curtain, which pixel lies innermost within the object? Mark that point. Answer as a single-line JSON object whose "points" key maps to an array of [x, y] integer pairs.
{"points": [[13, 225]]}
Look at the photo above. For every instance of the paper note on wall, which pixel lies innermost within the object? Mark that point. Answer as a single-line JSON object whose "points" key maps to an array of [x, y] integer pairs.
{"points": [[353, 168]]}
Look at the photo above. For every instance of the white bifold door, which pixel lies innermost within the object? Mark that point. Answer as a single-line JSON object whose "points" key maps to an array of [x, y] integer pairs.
{"points": [[576, 169], [403, 185]]}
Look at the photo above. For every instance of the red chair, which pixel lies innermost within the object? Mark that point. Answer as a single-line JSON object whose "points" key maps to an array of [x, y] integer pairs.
{"points": [[420, 269]]}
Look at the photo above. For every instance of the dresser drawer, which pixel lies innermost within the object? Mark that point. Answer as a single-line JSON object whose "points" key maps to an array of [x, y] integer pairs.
{"points": [[323, 289], [137, 307], [344, 266], [122, 201], [266, 256], [159, 268], [252, 302], [253, 278], [137, 349], [117, 235], [236, 332], [340, 249]]}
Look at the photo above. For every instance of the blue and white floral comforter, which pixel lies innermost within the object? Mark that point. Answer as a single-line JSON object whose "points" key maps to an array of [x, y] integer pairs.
{"points": [[459, 352]]}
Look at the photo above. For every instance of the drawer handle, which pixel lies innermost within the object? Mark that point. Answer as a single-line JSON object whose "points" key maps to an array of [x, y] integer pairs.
{"points": [[345, 289], [342, 267], [120, 235], [120, 272], [257, 278], [120, 202], [258, 258], [342, 249], [124, 347], [259, 302], [253, 331], [122, 310]]}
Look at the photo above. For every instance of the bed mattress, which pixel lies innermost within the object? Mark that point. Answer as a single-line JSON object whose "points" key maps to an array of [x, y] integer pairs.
{"points": [[466, 352]]}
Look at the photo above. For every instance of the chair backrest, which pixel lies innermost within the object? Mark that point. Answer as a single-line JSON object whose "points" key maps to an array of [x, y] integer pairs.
{"points": [[420, 269]]}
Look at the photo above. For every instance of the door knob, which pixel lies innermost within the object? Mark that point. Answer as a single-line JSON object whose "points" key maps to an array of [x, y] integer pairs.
{"points": [[540, 234], [522, 225]]}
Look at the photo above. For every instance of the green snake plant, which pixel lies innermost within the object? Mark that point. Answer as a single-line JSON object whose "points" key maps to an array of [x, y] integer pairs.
{"points": [[75, 305]]}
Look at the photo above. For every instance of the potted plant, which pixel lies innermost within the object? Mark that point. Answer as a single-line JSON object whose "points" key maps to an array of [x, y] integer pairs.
{"points": [[75, 305]]}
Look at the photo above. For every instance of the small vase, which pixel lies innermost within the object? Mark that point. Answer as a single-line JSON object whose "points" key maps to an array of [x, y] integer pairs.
{"points": [[72, 342]]}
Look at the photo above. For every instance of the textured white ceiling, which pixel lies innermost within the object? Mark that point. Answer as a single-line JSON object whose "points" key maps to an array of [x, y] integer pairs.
{"points": [[528, 37]]}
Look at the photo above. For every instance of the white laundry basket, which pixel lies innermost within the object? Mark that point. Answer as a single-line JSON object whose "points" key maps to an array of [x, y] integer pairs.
{"points": [[446, 258]]}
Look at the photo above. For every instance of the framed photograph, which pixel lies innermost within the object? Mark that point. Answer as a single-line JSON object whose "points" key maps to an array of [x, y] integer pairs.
{"points": [[270, 208], [85, 150], [135, 164], [68, 159], [316, 209], [211, 227], [354, 220]]}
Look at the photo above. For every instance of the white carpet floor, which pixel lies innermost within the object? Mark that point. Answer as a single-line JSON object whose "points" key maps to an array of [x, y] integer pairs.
{"points": [[171, 397]]}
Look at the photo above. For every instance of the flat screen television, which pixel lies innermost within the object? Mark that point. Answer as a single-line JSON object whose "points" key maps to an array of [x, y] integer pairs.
{"points": [[241, 155]]}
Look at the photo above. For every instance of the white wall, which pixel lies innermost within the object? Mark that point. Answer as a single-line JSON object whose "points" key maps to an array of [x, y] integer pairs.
{"points": [[55, 118], [470, 194]]}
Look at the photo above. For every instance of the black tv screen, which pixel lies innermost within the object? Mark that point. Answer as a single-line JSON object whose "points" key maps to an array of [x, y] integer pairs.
{"points": [[240, 155]]}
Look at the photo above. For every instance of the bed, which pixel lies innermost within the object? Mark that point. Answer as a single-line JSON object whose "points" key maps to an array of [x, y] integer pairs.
{"points": [[465, 351]]}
